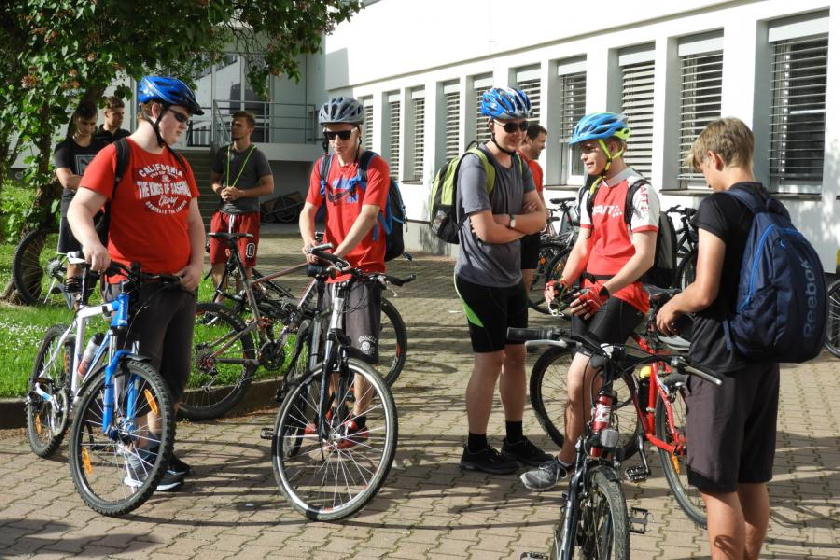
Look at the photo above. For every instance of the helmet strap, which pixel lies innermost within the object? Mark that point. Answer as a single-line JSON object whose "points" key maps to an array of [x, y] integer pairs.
{"points": [[156, 124], [493, 139]]}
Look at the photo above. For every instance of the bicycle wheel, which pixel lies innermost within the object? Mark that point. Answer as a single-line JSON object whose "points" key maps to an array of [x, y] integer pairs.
{"points": [[686, 271], [37, 271], [670, 428], [393, 343], [832, 333], [223, 364], [333, 478], [117, 471], [550, 255], [549, 397], [603, 528], [48, 397]]}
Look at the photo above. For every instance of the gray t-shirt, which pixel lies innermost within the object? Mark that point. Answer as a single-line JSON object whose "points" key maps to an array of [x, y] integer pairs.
{"points": [[487, 264], [229, 164]]}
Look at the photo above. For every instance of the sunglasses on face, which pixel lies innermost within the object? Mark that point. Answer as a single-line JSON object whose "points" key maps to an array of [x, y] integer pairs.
{"points": [[342, 134], [511, 127], [182, 118]]}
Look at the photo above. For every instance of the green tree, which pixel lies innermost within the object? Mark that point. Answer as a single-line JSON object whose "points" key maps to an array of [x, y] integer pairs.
{"points": [[54, 53]]}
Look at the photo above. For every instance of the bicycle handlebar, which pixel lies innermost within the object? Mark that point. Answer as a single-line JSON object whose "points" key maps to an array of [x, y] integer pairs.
{"points": [[133, 272]]}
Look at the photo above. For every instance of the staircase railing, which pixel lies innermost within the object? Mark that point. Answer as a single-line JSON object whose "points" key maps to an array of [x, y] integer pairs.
{"points": [[289, 123]]}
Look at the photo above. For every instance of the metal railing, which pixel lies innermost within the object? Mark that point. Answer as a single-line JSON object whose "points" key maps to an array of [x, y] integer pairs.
{"points": [[281, 123]]}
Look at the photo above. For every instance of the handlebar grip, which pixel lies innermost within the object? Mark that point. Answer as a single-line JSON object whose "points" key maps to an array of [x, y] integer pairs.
{"points": [[321, 247], [520, 334]]}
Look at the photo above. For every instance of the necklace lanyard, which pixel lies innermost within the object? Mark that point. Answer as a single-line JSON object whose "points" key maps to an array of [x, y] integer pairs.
{"points": [[241, 167]]}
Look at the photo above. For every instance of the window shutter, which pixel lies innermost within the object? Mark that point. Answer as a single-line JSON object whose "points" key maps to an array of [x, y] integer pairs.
{"points": [[419, 120], [572, 108], [482, 131], [453, 115], [700, 102], [394, 139], [637, 106], [531, 88], [797, 114], [367, 134]]}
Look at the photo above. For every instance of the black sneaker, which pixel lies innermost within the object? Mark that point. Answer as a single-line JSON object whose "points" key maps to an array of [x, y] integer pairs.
{"points": [[488, 460], [546, 476], [525, 452], [179, 467]]}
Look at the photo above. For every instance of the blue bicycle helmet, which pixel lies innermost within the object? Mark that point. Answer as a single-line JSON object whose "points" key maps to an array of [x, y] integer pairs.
{"points": [[600, 126], [169, 90], [342, 110], [505, 103]]}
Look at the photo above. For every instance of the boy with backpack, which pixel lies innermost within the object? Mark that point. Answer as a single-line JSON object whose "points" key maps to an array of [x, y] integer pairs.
{"points": [[614, 250], [732, 428], [492, 216], [352, 224]]}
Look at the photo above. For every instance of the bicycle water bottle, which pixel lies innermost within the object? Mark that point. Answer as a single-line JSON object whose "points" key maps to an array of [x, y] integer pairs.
{"points": [[90, 351], [600, 423], [644, 386]]}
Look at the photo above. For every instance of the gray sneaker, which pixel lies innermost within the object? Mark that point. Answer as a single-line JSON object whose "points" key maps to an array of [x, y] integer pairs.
{"points": [[140, 464], [546, 476]]}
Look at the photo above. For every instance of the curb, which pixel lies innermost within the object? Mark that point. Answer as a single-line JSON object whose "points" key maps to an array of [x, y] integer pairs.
{"points": [[260, 395]]}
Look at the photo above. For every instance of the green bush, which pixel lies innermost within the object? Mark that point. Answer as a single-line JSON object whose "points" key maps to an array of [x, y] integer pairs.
{"points": [[15, 202]]}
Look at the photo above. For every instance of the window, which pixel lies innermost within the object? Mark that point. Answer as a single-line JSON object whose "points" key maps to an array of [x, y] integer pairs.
{"points": [[394, 134], [701, 66], [417, 119], [528, 80], [482, 131], [637, 106], [452, 102], [367, 129], [572, 103], [797, 114]]}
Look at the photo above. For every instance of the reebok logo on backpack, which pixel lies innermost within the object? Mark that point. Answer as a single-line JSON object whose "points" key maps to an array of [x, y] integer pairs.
{"points": [[443, 217], [780, 313], [394, 218]]}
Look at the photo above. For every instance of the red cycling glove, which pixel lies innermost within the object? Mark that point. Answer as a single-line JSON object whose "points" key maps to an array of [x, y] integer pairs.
{"points": [[556, 290], [593, 297]]}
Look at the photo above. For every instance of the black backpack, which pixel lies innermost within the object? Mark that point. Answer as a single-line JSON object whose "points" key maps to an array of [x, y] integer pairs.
{"points": [[662, 272], [103, 224], [394, 218]]}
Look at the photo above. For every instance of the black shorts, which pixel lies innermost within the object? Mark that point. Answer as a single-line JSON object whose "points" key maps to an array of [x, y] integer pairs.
{"points": [[731, 429], [66, 242], [490, 311], [529, 249], [362, 320], [612, 324], [163, 326]]}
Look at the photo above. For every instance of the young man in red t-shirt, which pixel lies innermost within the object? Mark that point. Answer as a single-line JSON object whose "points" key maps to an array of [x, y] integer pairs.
{"points": [[616, 254], [532, 146], [351, 214], [155, 222]]}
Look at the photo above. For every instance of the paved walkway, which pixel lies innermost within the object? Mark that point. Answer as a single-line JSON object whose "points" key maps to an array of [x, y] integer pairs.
{"points": [[428, 508]]}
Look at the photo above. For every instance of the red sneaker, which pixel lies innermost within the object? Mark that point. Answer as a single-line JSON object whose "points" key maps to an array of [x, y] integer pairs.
{"points": [[354, 435]]}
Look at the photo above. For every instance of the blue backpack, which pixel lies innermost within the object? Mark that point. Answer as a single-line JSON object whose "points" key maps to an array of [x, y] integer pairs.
{"points": [[392, 221], [780, 313]]}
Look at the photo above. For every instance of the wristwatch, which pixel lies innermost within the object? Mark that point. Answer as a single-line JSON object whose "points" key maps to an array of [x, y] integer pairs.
{"points": [[512, 224]]}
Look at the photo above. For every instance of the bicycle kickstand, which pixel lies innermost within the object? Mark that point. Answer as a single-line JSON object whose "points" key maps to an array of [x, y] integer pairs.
{"points": [[639, 473]]}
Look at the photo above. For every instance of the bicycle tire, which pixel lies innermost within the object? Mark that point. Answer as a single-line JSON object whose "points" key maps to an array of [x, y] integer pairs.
{"points": [[217, 384], [105, 469], [320, 480], [549, 395], [686, 271], [393, 343], [47, 420], [674, 464], [832, 333], [31, 262], [549, 254]]}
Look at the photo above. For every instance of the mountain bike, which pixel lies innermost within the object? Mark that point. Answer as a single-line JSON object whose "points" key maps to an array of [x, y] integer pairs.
{"points": [[225, 362], [649, 408], [336, 431], [686, 247], [555, 246], [38, 272], [594, 519], [122, 420], [832, 333]]}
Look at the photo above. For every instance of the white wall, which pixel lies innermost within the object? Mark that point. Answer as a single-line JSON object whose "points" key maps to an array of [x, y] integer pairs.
{"points": [[399, 45]]}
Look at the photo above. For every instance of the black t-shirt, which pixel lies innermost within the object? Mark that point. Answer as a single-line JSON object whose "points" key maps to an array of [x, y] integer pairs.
{"points": [[106, 137], [728, 219], [70, 155]]}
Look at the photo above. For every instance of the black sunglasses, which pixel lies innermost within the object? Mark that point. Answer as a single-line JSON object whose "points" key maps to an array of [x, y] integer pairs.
{"points": [[512, 127], [181, 117], [343, 134]]}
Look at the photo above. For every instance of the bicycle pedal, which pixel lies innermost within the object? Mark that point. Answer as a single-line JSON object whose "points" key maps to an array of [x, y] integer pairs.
{"points": [[533, 556], [638, 519], [639, 473], [267, 433]]}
